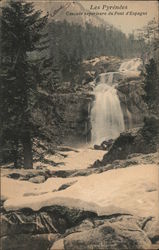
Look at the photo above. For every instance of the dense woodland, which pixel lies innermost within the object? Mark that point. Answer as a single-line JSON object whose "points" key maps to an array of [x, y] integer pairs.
{"points": [[72, 43], [21, 29], [37, 55]]}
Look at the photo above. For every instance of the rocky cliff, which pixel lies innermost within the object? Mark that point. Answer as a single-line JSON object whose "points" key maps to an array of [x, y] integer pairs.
{"points": [[68, 110], [134, 108], [130, 86], [66, 116]]}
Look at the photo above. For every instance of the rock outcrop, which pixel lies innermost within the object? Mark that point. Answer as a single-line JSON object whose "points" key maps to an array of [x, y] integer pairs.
{"points": [[69, 229], [134, 108], [130, 86], [66, 116], [140, 140]]}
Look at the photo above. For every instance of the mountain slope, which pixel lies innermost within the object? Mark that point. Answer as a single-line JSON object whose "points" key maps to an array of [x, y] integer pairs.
{"points": [[71, 11]]}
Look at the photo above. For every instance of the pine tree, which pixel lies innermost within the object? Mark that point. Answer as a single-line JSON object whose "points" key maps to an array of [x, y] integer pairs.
{"points": [[22, 34], [152, 87]]}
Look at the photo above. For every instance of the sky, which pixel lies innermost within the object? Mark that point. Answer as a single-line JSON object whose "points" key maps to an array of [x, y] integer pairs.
{"points": [[127, 23], [130, 22]]}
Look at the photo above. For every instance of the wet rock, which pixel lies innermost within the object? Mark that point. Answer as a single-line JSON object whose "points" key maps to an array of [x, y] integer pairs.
{"points": [[58, 227], [14, 224], [119, 235], [27, 241], [97, 163], [143, 141], [105, 145], [67, 149], [1, 204], [152, 230], [84, 225], [37, 179], [14, 176], [98, 147], [89, 76], [66, 185], [83, 172], [63, 173], [59, 244], [54, 219], [132, 103], [27, 221], [25, 175], [100, 64]]}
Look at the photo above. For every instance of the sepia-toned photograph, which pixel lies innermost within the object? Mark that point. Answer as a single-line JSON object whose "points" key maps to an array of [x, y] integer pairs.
{"points": [[79, 131]]}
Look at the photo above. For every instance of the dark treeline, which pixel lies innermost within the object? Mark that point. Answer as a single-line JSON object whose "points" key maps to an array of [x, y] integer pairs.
{"points": [[150, 54], [71, 43], [23, 33]]}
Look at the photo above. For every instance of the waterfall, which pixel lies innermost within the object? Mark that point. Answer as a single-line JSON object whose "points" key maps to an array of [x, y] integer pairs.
{"points": [[106, 114], [131, 65]]}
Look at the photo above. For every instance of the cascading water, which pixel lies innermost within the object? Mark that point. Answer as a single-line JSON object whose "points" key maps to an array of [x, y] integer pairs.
{"points": [[132, 65], [106, 115]]}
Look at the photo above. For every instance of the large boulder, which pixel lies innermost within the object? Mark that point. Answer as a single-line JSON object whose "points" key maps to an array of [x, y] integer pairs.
{"points": [[105, 145], [152, 230], [140, 140], [28, 241], [57, 227], [116, 235]]}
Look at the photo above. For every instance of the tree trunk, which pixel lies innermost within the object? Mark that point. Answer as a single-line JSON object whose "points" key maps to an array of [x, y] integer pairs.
{"points": [[16, 154], [28, 156], [15, 158]]}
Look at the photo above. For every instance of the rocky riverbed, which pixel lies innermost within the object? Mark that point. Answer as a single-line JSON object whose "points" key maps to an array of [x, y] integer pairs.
{"points": [[76, 206]]}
